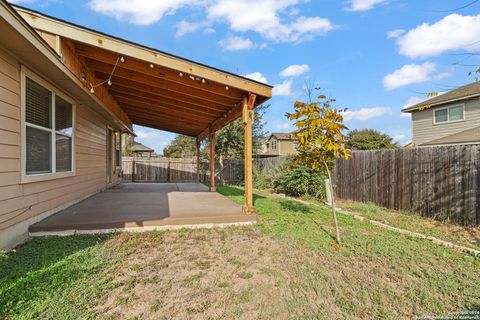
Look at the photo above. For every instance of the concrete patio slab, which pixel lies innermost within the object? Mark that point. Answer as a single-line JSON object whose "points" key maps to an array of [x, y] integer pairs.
{"points": [[146, 205]]}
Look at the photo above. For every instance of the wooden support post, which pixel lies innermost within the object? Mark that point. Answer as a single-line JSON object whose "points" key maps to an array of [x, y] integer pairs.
{"points": [[212, 160], [198, 161], [247, 116]]}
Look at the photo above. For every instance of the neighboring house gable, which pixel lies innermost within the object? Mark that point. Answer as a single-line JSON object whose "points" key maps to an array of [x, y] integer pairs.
{"points": [[450, 118], [279, 144]]}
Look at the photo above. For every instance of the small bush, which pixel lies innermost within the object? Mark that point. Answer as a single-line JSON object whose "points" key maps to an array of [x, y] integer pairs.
{"points": [[295, 181], [301, 181]]}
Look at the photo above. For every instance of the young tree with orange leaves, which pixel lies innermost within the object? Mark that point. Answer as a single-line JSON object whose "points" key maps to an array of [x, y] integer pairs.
{"points": [[320, 138]]}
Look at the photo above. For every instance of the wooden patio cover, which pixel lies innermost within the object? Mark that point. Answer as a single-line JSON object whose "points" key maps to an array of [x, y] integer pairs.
{"points": [[155, 89]]}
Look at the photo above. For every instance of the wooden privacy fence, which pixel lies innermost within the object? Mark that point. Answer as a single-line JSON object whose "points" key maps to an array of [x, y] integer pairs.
{"points": [[438, 182], [160, 169]]}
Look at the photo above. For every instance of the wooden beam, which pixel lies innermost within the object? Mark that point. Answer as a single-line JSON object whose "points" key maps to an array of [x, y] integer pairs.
{"points": [[247, 117], [78, 68], [123, 47], [212, 160], [229, 116], [198, 160]]}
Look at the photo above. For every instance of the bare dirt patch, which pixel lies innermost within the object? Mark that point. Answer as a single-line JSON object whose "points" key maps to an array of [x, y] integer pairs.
{"points": [[202, 274]]}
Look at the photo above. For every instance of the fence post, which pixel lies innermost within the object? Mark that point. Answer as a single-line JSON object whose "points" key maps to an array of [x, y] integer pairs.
{"points": [[133, 169]]}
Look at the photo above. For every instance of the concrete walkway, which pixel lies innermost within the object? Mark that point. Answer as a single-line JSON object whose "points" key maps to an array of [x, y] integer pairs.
{"points": [[146, 206]]}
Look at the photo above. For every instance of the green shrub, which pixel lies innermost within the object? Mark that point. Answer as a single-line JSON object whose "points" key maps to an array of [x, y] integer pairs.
{"points": [[295, 181], [301, 181]]}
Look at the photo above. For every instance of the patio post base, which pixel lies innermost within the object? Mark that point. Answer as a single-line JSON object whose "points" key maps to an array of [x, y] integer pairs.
{"points": [[213, 189], [249, 210]]}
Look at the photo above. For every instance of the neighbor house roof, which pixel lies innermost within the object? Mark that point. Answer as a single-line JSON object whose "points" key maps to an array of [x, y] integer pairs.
{"points": [[150, 87], [468, 91], [464, 137], [138, 147], [281, 136]]}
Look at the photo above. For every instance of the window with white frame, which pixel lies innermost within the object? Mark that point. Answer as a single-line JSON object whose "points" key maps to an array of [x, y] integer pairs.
{"points": [[48, 142], [274, 144], [450, 114]]}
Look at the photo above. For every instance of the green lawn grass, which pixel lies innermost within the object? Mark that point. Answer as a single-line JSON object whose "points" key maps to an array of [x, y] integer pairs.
{"points": [[466, 236], [375, 273]]}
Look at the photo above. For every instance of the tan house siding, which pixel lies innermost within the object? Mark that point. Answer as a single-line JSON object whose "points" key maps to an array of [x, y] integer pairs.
{"points": [[19, 202], [424, 130], [287, 147]]}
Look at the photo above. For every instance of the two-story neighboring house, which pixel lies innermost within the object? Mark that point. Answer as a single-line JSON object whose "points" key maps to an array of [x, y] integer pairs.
{"points": [[450, 118], [278, 144]]}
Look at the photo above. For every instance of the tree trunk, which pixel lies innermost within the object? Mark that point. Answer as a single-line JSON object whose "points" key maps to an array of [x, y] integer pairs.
{"points": [[337, 229]]}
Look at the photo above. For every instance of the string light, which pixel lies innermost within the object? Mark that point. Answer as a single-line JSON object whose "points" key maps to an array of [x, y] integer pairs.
{"points": [[227, 88], [152, 66], [109, 79], [180, 74]]}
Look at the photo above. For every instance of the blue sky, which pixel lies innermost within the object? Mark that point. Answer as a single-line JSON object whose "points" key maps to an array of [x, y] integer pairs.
{"points": [[373, 56]]}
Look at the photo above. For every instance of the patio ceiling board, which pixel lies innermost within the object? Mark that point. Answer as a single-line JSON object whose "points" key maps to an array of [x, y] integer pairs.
{"points": [[143, 67], [159, 82], [159, 93], [162, 105], [154, 114], [189, 130], [120, 88]]}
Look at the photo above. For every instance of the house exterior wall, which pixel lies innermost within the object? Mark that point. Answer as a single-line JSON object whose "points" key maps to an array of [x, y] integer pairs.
{"points": [[24, 204], [284, 147], [287, 147], [424, 130]]}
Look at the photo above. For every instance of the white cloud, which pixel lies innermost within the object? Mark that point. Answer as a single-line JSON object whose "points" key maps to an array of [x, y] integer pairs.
{"points": [[398, 137], [184, 27], [295, 70], [257, 76], [210, 31], [413, 100], [365, 113], [283, 89], [283, 125], [238, 14], [453, 32], [153, 138], [395, 33], [141, 12], [412, 73], [363, 5], [236, 43]]}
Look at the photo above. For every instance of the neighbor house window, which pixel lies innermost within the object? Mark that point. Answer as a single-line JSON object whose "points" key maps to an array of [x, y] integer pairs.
{"points": [[274, 145], [48, 134], [450, 114]]}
